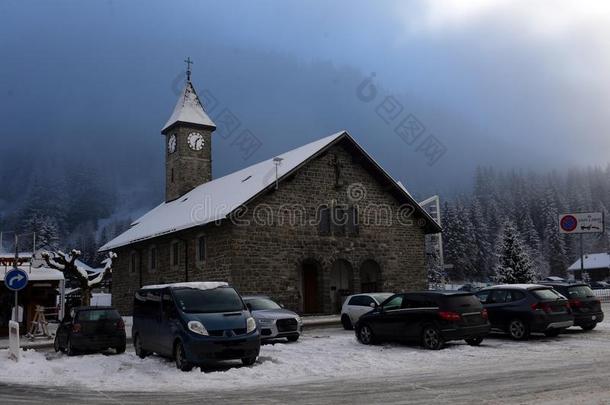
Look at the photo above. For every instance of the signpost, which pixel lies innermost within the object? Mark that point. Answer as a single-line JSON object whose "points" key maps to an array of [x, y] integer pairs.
{"points": [[581, 223], [15, 280], [584, 222]]}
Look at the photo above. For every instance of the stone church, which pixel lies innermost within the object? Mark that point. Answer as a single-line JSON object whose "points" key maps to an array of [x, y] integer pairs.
{"points": [[307, 227]]}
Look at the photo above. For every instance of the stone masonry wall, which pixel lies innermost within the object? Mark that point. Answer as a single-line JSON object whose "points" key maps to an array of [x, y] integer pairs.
{"points": [[268, 258], [216, 267]]}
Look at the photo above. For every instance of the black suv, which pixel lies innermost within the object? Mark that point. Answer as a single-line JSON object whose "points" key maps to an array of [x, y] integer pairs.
{"points": [[520, 309], [587, 308], [430, 318], [90, 329]]}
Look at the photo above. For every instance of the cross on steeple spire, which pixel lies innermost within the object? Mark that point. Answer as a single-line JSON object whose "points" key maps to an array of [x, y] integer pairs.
{"points": [[188, 62]]}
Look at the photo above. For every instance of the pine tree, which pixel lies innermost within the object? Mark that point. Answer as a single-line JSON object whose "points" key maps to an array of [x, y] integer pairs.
{"points": [[554, 244], [459, 242], [484, 251], [514, 262], [436, 274], [45, 228]]}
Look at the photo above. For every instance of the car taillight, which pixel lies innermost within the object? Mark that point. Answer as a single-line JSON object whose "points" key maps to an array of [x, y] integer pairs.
{"points": [[575, 303], [120, 325], [76, 328], [449, 316], [484, 314], [542, 306]]}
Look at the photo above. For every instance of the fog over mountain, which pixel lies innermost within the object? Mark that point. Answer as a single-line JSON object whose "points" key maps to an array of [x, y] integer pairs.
{"points": [[86, 87]]}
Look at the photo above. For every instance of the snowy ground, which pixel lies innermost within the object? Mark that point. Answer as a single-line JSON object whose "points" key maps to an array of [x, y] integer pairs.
{"points": [[321, 355]]}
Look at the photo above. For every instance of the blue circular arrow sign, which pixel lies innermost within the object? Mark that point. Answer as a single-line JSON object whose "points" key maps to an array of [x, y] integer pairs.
{"points": [[16, 279]]}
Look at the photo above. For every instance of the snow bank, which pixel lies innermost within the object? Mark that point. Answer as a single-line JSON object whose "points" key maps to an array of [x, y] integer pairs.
{"points": [[325, 354]]}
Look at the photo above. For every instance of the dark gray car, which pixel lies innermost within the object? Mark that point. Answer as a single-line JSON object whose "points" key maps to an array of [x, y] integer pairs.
{"points": [[274, 321]]}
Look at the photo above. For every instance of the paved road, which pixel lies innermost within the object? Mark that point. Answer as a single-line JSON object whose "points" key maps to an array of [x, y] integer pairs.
{"points": [[584, 381]]}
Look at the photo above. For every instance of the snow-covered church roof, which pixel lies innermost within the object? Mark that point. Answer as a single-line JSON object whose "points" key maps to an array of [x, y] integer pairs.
{"points": [[189, 110], [592, 261], [217, 199]]}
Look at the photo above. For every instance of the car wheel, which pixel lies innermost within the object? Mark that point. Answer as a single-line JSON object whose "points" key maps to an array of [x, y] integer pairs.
{"points": [[346, 322], [120, 349], [137, 344], [474, 341], [70, 349], [552, 332], [248, 361], [590, 326], [293, 338], [432, 339], [518, 330], [365, 335], [181, 362]]}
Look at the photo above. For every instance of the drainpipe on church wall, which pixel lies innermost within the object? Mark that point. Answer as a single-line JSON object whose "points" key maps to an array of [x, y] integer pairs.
{"points": [[140, 266], [186, 260]]}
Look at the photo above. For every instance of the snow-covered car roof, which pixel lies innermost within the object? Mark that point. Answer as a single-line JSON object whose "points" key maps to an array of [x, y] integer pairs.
{"points": [[519, 286], [199, 285], [217, 199]]}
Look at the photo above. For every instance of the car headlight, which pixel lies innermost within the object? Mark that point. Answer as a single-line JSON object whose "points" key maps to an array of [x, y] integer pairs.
{"points": [[198, 328], [299, 320], [250, 325]]}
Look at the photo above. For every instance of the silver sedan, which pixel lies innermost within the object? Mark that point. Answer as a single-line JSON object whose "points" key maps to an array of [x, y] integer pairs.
{"points": [[274, 321]]}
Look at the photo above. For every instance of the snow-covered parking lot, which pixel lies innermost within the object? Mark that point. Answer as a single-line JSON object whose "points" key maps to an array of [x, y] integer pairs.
{"points": [[321, 355]]}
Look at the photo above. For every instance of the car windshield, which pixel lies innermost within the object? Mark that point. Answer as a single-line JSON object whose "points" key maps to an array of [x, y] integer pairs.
{"points": [[195, 301], [98, 315], [580, 291], [381, 297], [547, 294], [259, 304]]}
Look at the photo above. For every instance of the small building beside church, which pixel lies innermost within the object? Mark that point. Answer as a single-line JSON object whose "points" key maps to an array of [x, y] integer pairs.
{"points": [[307, 227], [596, 266], [45, 288]]}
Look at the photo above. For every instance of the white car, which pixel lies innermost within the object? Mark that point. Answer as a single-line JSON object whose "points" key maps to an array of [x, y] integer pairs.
{"points": [[359, 304]]}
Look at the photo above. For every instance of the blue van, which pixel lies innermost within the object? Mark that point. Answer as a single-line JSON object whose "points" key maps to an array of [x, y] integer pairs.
{"points": [[194, 323]]}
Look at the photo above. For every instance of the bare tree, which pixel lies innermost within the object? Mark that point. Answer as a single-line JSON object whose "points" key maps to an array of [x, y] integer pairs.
{"points": [[66, 263]]}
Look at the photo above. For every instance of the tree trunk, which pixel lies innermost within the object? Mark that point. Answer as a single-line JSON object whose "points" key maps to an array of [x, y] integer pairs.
{"points": [[85, 294]]}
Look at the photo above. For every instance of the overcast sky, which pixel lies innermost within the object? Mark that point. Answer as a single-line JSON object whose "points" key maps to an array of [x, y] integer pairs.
{"points": [[521, 84]]}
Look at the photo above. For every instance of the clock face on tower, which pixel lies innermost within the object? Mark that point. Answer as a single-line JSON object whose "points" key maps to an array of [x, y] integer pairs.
{"points": [[171, 144], [196, 141]]}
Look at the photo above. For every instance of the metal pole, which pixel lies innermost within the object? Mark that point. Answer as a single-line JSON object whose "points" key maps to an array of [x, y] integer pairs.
{"points": [[16, 250], [16, 309], [582, 259], [33, 249]]}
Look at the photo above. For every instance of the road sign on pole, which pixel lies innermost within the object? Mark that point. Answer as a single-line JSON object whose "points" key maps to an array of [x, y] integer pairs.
{"points": [[582, 222], [16, 279]]}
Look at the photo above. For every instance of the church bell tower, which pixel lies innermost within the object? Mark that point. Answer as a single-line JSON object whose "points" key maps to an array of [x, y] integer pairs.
{"points": [[188, 143]]}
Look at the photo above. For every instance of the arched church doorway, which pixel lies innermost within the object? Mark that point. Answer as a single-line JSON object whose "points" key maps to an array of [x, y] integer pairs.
{"points": [[341, 284], [370, 277]]}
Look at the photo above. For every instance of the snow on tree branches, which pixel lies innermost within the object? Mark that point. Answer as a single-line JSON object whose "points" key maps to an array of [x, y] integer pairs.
{"points": [[514, 262], [68, 264]]}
